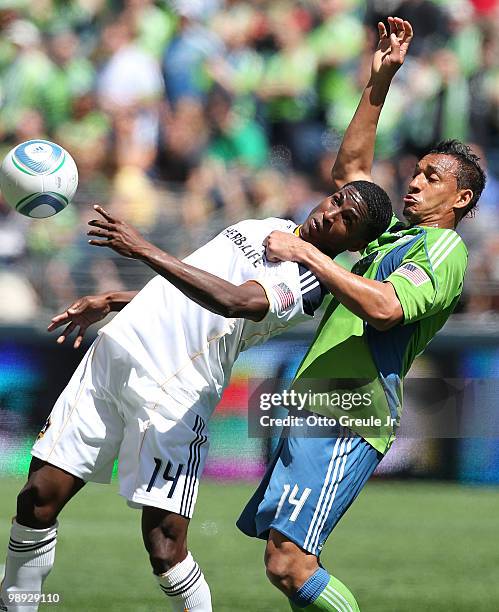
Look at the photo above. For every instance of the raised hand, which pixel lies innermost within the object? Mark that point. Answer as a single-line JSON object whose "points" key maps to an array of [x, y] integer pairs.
{"points": [[83, 313], [117, 235], [392, 47]]}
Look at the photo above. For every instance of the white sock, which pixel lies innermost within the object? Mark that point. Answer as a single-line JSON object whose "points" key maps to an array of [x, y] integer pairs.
{"points": [[186, 587], [30, 557]]}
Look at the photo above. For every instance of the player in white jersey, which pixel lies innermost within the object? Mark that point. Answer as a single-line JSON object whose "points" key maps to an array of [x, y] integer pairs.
{"points": [[151, 380]]}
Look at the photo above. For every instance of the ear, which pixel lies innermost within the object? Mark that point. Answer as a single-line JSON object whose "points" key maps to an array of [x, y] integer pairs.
{"points": [[464, 197]]}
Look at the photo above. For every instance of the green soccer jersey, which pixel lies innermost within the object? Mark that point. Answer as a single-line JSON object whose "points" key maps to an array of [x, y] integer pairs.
{"points": [[353, 371]]}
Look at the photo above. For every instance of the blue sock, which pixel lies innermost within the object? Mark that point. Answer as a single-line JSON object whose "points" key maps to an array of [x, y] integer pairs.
{"points": [[324, 593], [312, 588]]}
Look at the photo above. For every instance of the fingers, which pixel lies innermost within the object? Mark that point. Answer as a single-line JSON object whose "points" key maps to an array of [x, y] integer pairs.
{"points": [[99, 232], [103, 212], [66, 333], [402, 29], [408, 30], [70, 328], [58, 320], [399, 25], [395, 54], [76, 308], [382, 30], [268, 238], [392, 25], [104, 230], [397, 34], [102, 224], [79, 337], [100, 243]]}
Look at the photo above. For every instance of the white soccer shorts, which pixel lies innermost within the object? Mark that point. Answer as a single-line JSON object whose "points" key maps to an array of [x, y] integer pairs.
{"points": [[112, 409]]}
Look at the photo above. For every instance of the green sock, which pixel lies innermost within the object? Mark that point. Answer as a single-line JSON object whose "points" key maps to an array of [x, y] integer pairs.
{"points": [[335, 597]]}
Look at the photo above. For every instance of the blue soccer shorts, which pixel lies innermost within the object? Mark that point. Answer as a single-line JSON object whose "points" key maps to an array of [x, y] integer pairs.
{"points": [[308, 486]]}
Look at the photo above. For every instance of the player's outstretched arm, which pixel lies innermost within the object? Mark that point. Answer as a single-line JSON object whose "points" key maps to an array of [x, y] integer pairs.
{"points": [[88, 310], [373, 301], [356, 153], [248, 301]]}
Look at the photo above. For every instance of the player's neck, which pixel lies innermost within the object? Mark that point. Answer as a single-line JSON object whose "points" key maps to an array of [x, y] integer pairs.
{"points": [[436, 224], [447, 222], [298, 233]]}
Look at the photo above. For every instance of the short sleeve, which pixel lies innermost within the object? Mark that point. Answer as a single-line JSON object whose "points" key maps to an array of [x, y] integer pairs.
{"points": [[292, 291], [426, 284]]}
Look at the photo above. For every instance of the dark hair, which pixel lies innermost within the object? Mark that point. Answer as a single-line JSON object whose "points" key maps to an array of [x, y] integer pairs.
{"points": [[379, 207], [470, 174]]}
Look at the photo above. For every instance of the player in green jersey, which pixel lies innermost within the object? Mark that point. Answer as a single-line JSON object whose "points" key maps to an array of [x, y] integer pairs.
{"points": [[383, 314]]}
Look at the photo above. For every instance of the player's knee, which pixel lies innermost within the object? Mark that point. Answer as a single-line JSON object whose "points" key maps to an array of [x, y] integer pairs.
{"points": [[279, 568], [166, 548], [288, 567], [37, 505], [165, 554]]}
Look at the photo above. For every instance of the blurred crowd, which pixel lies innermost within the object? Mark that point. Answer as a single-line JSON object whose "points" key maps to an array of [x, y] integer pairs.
{"points": [[186, 116]]}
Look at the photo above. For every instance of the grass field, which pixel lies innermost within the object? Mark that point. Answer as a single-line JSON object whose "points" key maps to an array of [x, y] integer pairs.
{"points": [[401, 548]]}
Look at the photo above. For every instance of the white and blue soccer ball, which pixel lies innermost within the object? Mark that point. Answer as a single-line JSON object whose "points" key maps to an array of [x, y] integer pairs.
{"points": [[38, 178]]}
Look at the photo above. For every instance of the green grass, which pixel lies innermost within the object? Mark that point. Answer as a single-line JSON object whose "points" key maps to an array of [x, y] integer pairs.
{"points": [[402, 547]]}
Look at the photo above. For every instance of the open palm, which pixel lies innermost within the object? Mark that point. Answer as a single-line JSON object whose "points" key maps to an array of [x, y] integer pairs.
{"points": [[392, 46]]}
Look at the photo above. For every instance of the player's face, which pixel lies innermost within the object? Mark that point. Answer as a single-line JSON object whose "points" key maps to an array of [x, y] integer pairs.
{"points": [[338, 223], [433, 192]]}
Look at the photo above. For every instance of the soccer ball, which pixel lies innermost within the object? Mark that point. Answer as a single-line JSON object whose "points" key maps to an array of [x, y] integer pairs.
{"points": [[38, 178]]}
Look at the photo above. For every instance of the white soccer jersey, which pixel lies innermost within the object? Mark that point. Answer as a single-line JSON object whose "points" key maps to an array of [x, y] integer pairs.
{"points": [[188, 350]]}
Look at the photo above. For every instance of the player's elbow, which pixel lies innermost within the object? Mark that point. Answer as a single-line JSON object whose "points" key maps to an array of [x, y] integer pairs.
{"points": [[387, 316], [347, 173], [250, 308], [383, 324], [248, 301], [386, 309]]}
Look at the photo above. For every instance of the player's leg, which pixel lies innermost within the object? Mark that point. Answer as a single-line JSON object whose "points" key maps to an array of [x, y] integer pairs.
{"points": [[163, 480], [78, 443], [178, 574], [299, 576], [45, 493], [309, 486], [33, 535]]}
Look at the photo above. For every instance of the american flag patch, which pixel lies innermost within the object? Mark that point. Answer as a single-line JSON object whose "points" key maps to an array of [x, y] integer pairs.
{"points": [[284, 296], [414, 273]]}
